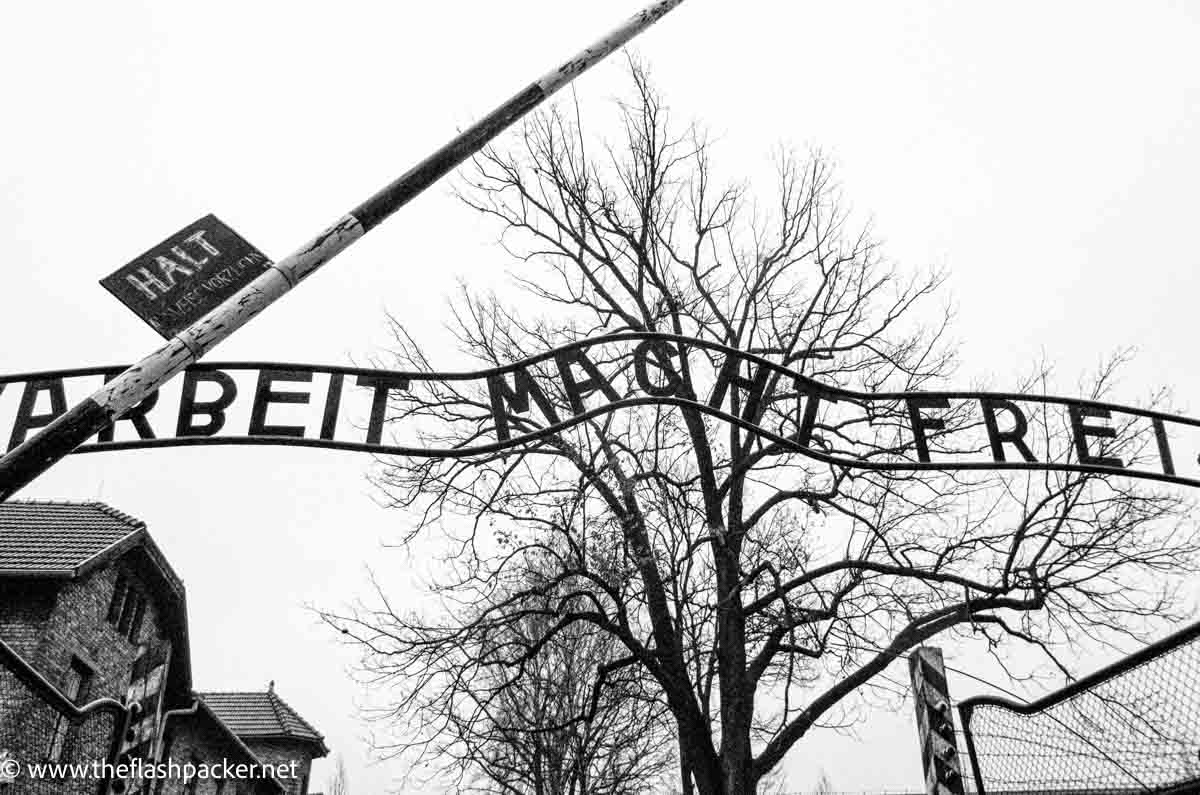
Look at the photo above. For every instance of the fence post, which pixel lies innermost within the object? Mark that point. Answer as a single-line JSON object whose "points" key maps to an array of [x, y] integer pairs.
{"points": [[965, 711], [935, 723]]}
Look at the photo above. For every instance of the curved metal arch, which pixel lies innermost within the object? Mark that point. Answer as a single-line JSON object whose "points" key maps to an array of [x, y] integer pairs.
{"points": [[636, 336], [804, 382]]}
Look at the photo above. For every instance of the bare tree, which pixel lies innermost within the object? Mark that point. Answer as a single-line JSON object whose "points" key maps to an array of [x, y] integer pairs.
{"points": [[762, 593], [339, 782], [530, 741], [518, 729]]}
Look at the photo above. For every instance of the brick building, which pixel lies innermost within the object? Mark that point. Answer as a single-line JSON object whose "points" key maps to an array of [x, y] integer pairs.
{"points": [[91, 609]]}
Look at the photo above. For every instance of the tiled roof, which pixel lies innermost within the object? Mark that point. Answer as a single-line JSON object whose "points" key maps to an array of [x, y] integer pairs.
{"points": [[59, 537], [69, 539], [258, 715]]}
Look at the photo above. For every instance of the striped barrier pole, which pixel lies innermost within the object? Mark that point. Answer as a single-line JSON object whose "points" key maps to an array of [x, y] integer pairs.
{"points": [[935, 722], [41, 451]]}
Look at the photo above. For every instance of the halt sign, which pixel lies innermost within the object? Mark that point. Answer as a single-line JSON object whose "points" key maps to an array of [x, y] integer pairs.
{"points": [[178, 281]]}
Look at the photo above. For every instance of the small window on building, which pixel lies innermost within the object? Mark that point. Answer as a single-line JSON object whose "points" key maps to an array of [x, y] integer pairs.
{"points": [[80, 681], [139, 613], [132, 614], [58, 740], [118, 600], [127, 609], [77, 686]]}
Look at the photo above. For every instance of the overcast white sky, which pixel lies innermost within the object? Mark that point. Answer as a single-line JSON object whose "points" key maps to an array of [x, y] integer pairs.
{"points": [[1047, 155]]}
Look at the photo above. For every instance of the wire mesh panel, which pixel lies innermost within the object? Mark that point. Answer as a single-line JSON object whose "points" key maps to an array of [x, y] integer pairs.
{"points": [[47, 745], [1132, 727]]}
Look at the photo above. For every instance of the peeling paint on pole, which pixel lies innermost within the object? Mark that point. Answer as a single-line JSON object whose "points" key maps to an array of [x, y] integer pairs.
{"points": [[41, 451], [564, 74]]}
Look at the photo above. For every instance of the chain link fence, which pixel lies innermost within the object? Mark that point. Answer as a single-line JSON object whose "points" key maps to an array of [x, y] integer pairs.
{"points": [[39, 726], [1133, 727]]}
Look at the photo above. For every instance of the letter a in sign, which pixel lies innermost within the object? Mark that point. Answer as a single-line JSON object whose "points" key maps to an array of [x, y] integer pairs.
{"points": [[190, 273]]}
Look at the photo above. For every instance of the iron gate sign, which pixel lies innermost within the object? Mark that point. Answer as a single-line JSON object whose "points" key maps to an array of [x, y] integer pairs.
{"points": [[178, 281], [523, 403]]}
